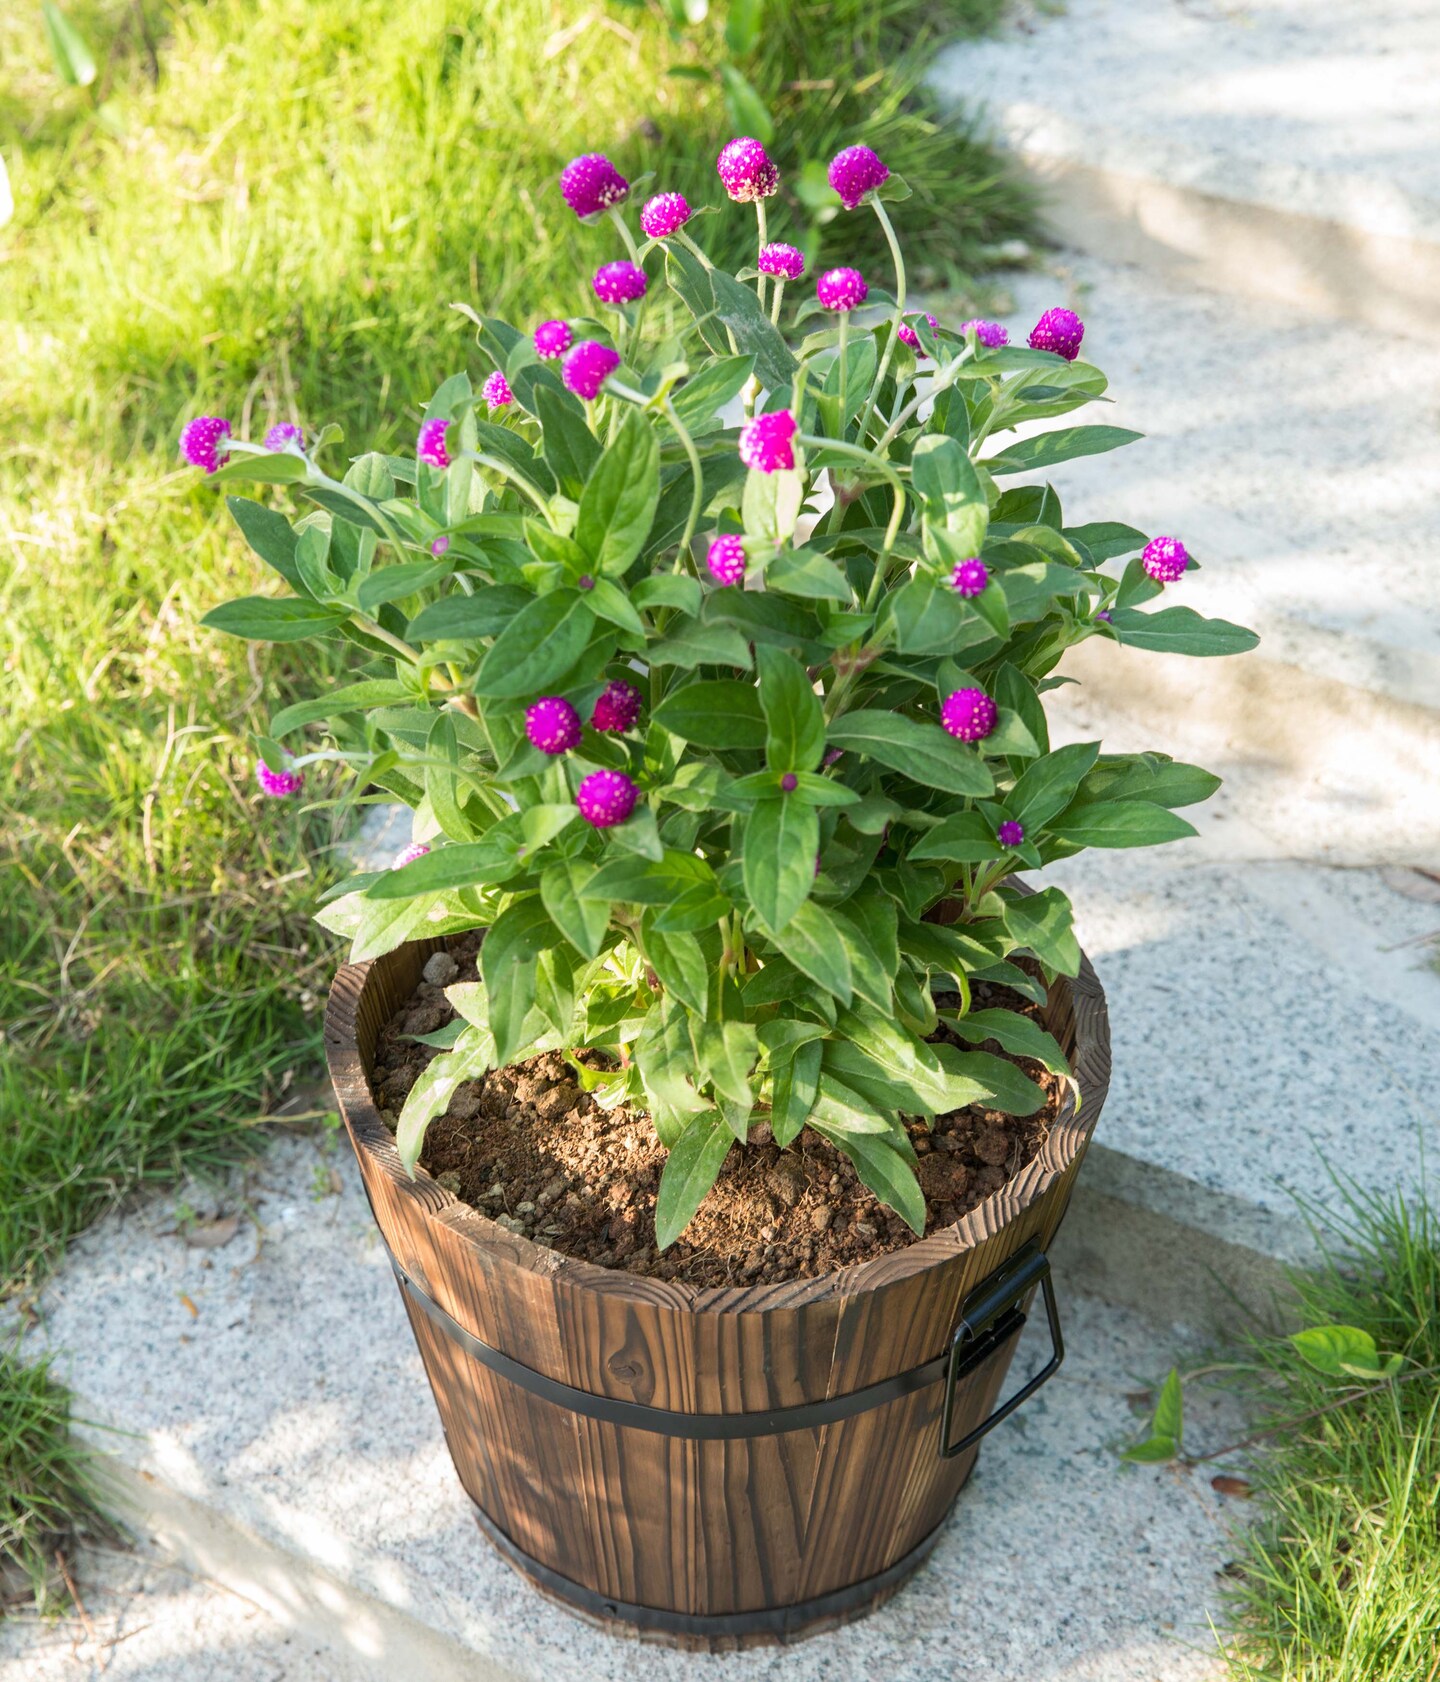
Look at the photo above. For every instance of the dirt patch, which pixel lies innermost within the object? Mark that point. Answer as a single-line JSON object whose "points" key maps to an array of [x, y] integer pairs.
{"points": [[528, 1147]]}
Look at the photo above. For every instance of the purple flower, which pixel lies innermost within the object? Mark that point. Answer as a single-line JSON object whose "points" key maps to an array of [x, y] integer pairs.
{"points": [[789, 782], [841, 289], [552, 725], [408, 855], [663, 214], [786, 261], [278, 784], [440, 545], [619, 283], [990, 333], [831, 755], [969, 577], [1165, 559], [726, 560], [1105, 615], [1010, 833], [200, 441], [283, 436], [908, 336], [1060, 331], [496, 391], [552, 339], [430, 445], [765, 442], [606, 798], [745, 169], [618, 707], [591, 184], [585, 581], [968, 714], [587, 368], [855, 173]]}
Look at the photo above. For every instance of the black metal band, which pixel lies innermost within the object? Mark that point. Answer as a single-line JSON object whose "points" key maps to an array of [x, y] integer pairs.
{"points": [[977, 1337], [777, 1622]]}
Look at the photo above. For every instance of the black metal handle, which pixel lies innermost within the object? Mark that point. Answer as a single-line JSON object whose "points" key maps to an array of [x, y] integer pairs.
{"points": [[989, 1317]]}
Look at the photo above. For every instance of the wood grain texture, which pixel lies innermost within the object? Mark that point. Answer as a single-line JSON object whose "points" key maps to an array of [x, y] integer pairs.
{"points": [[700, 1527]]}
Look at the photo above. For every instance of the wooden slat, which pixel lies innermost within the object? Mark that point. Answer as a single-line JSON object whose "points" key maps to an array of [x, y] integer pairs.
{"points": [[700, 1527]]}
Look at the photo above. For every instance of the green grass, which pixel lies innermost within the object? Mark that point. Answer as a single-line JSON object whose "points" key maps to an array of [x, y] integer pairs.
{"points": [[1339, 1580], [268, 218]]}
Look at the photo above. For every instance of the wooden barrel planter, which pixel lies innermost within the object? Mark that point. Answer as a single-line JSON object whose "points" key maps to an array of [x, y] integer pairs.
{"points": [[724, 1467]]}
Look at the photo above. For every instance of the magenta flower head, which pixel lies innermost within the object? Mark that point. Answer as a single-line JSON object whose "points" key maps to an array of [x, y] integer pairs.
{"points": [[1060, 331], [277, 784], [968, 714], [841, 289], [785, 261], [552, 339], [439, 546], [990, 333], [408, 855], [726, 560], [606, 798], [1165, 559], [789, 782], [201, 441], [496, 391], [855, 173], [663, 214], [619, 283], [617, 708], [746, 172], [587, 368], [430, 445], [285, 436], [908, 336], [552, 725], [1010, 833], [592, 184], [969, 577], [766, 442]]}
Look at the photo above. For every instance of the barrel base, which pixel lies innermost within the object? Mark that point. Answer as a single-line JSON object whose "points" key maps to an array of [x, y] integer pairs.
{"points": [[722, 1632]]}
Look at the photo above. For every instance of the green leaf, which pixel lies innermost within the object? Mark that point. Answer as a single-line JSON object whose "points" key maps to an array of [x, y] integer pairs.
{"points": [[669, 590], [67, 47], [571, 448], [720, 713], [679, 963], [270, 535], [1066, 443], [1180, 630], [924, 752], [999, 1082], [967, 838], [690, 1170], [742, 30], [445, 788], [543, 641], [391, 583], [1106, 539], [795, 1084], [618, 505], [1122, 823], [699, 401], [473, 1056], [949, 488], [370, 475], [582, 919], [464, 865], [794, 719], [609, 602], [883, 1169], [812, 941], [266, 619], [507, 967], [1020, 1035], [804, 572], [1044, 923], [353, 697], [727, 1052], [262, 470], [1149, 776], [747, 111], [644, 881], [1048, 785], [771, 504], [782, 837], [466, 618], [691, 645], [1344, 1352], [739, 309]]}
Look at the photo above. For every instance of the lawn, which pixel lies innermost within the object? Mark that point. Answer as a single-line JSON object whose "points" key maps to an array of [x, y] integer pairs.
{"points": [[264, 209]]}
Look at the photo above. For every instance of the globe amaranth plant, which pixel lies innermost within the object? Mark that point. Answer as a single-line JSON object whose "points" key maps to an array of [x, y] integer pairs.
{"points": [[711, 659]]}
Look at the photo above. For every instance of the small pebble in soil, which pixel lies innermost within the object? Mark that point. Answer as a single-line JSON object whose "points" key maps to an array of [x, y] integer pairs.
{"points": [[440, 969]]}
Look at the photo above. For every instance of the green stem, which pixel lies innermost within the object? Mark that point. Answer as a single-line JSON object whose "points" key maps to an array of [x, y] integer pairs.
{"points": [[371, 629], [779, 293], [844, 337], [507, 471], [615, 216], [889, 350], [697, 495], [897, 513], [763, 241]]}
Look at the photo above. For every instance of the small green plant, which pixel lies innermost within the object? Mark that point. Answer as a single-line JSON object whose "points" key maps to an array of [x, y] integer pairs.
{"points": [[713, 670]]}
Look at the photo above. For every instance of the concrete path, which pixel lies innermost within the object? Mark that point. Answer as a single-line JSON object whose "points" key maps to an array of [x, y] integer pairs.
{"points": [[284, 1445]]}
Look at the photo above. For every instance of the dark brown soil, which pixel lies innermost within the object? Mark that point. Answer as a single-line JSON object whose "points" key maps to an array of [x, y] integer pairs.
{"points": [[526, 1146]]}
